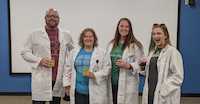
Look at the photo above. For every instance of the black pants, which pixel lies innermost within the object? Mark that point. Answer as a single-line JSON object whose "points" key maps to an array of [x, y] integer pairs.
{"points": [[114, 93], [81, 98], [150, 99], [56, 100]]}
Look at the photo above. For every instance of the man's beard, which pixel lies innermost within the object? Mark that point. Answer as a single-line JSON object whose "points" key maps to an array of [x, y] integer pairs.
{"points": [[50, 25], [53, 26]]}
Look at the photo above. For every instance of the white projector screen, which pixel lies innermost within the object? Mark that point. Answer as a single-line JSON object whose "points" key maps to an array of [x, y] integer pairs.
{"points": [[101, 15]]}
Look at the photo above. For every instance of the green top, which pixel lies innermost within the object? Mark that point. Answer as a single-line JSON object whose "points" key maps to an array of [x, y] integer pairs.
{"points": [[116, 54]]}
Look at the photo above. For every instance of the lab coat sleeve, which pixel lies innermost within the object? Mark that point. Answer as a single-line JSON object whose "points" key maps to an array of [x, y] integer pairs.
{"points": [[139, 53], [175, 79], [27, 54], [69, 40], [105, 68], [67, 70], [143, 73]]}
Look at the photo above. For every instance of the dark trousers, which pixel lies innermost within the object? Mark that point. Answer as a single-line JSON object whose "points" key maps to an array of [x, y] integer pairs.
{"points": [[56, 100], [81, 98], [114, 93], [150, 99]]}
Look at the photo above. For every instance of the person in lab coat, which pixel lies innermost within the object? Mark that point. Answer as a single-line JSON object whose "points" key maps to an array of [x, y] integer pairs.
{"points": [[125, 51], [163, 71], [45, 51], [86, 73]]}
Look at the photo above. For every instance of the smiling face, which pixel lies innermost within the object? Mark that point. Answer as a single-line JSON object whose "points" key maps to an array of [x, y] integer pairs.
{"points": [[88, 39], [159, 37], [52, 18], [123, 28]]}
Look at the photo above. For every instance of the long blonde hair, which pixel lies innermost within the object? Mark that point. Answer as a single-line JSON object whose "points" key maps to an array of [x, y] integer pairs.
{"points": [[163, 27]]}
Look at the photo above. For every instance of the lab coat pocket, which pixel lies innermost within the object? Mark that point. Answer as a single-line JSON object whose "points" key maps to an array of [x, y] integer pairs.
{"points": [[63, 46], [165, 99], [100, 79], [162, 99], [97, 64]]}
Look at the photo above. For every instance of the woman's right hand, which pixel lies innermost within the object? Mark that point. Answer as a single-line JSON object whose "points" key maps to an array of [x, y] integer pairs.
{"points": [[47, 62], [123, 64], [67, 90], [142, 62]]}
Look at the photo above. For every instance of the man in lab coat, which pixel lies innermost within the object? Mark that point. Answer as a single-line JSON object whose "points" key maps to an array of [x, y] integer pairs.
{"points": [[46, 51]]}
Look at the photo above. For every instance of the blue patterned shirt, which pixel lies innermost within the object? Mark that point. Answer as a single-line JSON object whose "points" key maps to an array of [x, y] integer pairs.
{"points": [[82, 62]]}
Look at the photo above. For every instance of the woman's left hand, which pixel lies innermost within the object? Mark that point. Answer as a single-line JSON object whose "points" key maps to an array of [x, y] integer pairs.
{"points": [[122, 64]]}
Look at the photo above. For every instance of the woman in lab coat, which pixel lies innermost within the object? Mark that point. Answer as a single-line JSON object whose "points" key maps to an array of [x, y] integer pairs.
{"points": [[87, 68], [164, 70], [125, 51]]}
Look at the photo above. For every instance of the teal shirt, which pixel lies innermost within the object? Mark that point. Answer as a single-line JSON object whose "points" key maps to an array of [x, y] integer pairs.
{"points": [[115, 54], [82, 62]]}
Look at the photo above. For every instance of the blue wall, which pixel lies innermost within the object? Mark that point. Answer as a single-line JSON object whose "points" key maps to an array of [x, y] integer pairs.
{"points": [[189, 46], [188, 40], [9, 83]]}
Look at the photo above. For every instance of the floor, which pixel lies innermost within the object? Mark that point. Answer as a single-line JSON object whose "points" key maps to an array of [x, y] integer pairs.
{"points": [[27, 100]]}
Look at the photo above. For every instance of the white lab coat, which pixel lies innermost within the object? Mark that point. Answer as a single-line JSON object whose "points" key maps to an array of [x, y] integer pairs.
{"points": [[37, 47], [170, 77], [98, 93], [128, 82]]}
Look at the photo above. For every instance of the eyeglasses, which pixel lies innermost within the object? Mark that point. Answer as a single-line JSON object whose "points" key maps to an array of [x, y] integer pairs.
{"points": [[52, 16], [156, 24]]}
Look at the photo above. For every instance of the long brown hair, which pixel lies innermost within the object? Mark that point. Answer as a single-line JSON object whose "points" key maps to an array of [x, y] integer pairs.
{"points": [[83, 34], [163, 27], [130, 37]]}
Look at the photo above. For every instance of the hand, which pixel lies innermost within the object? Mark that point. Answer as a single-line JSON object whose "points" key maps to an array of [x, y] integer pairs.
{"points": [[47, 62], [67, 90], [122, 64], [143, 61], [89, 74]]}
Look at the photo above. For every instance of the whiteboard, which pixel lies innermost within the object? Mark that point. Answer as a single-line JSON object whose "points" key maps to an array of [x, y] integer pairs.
{"points": [[101, 15]]}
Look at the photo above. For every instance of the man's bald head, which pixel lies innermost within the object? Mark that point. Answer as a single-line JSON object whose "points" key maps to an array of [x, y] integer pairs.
{"points": [[52, 10], [52, 18]]}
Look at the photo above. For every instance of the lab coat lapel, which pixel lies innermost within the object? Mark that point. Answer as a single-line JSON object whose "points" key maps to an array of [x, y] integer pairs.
{"points": [[46, 37]]}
